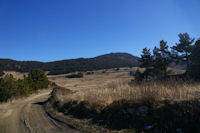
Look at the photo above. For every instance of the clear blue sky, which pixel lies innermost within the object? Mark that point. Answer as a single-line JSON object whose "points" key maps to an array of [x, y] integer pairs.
{"points": [[47, 30]]}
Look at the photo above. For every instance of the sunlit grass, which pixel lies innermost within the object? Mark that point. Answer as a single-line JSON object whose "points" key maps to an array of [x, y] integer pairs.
{"points": [[146, 91]]}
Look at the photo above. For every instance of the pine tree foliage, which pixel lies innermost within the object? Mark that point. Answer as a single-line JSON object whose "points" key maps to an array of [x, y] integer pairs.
{"points": [[156, 65], [11, 87], [146, 62], [146, 58], [161, 59], [194, 68], [184, 47]]}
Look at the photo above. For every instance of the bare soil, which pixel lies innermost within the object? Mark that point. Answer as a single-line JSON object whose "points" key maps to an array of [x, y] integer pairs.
{"points": [[28, 115]]}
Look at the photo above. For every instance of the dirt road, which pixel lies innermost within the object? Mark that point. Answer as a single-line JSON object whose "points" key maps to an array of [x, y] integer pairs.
{"points": [[28, 115]]}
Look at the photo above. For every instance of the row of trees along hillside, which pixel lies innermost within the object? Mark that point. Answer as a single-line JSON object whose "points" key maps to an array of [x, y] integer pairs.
{"points": [[113, 60], [156, 62], [11, 87]]}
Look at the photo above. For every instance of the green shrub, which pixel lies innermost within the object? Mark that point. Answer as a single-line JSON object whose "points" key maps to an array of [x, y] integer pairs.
{"points": [[11, 87], [53, 84], [139, 76], [78, 75], [1, 73], [89, 73], [38, 79], [8, 87]]}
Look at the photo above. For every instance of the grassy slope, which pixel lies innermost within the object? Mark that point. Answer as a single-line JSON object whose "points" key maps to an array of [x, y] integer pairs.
{"points": [[108, 99]]}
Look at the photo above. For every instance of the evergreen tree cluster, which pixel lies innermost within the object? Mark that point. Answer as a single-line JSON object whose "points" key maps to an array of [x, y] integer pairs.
{"points": [[156, 62], [11, 87]]}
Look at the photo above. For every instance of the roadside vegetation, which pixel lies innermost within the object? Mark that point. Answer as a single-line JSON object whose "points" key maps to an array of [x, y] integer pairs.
{"points": [[164, 106], [11, 87], [154, 101]]}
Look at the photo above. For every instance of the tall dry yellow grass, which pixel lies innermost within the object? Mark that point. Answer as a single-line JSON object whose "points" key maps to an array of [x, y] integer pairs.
{"points": [[146, 91]]}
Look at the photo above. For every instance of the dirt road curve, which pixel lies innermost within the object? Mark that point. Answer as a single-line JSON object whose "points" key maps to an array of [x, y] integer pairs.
{"points": [[28, 116]]}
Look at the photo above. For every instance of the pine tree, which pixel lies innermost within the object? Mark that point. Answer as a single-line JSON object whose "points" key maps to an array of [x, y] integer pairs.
{"points": [[194, 68], [184, 47], [146, 62], [161, 59], [157, 63]]}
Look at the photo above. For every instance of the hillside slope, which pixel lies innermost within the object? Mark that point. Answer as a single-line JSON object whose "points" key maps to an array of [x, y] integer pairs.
{"points": [[112, 60]]}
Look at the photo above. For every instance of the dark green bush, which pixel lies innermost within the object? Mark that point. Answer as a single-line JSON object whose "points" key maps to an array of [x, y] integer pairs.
{"points": [[89, 73], [1, 73], [11, 87], [78, 75], [139, 76], [8, 86], [38, 79]]}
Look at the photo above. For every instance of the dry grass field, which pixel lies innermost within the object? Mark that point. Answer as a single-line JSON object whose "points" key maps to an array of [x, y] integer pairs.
{"points": [[111, 99], [92, 81], [106, 86]]}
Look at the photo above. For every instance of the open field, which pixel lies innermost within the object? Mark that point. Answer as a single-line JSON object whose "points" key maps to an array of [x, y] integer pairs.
{"points": [[107, 86], [99, 78], [111, 100], [92, 81]]}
